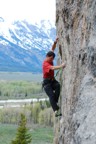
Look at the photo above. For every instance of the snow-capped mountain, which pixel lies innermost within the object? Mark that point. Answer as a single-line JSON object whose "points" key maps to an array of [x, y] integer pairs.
{"points": [[23, 45]]}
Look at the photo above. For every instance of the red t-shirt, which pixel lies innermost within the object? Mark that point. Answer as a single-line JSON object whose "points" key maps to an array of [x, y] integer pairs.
{"points": [[47, 72]]}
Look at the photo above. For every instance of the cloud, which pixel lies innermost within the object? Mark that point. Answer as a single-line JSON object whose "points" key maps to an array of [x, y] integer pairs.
{"points": [[32, 10]]}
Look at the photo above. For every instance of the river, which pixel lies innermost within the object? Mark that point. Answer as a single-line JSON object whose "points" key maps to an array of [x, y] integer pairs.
{"points": [[19, 102]]}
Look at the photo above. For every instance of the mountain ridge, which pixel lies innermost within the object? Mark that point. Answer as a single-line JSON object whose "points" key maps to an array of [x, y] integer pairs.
{"points": [[23, 45]]}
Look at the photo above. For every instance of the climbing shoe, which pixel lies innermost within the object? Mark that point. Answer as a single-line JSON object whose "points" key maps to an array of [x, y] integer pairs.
{"points": [[57, 113]]}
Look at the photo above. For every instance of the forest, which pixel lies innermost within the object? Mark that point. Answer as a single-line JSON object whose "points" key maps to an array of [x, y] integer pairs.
{"points": [[39, 114]]}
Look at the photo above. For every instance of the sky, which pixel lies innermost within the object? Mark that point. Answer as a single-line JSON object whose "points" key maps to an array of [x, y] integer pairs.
{"points": [[31, 10]]}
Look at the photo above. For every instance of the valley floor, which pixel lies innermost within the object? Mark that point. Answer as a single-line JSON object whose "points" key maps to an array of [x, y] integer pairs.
{"points": [[27, 76]]}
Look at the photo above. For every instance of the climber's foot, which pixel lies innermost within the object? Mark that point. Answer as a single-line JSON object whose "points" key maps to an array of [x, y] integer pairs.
{"points": [[58, 113]]}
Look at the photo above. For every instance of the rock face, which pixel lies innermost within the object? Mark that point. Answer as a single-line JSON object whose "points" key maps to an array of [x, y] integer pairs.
{"points": [[76, 29]]}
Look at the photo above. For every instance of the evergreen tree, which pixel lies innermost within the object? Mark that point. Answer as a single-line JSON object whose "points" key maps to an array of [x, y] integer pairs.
{"points": [[22, 136]]}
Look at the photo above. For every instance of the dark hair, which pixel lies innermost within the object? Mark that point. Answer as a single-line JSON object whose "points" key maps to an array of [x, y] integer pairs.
{"points": [[50, 53]]}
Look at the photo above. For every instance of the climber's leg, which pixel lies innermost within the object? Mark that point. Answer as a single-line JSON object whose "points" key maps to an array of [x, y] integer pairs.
{"points": [[49, 91], [56, 88]]}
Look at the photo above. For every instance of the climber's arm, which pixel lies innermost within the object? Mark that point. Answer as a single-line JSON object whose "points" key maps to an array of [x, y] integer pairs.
{"points": [[54, 44], [63, 65]]}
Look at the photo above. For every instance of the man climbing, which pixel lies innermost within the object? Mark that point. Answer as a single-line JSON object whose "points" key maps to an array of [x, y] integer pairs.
{"points": [[50, 84]]}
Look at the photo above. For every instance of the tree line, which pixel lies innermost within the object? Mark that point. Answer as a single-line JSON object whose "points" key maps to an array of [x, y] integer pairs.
{"points": [[19, 89], [36, 113]]}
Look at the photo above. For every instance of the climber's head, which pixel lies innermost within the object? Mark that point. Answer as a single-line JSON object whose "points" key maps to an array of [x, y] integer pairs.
{"points": [[50, 56]]}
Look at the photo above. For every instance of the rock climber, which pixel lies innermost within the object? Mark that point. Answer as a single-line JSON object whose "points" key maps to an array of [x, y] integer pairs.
{"points": [[50, 84]]}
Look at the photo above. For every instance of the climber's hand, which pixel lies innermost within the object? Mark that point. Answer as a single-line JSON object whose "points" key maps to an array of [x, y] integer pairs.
{"points": [[63, 65], [56, 39]]}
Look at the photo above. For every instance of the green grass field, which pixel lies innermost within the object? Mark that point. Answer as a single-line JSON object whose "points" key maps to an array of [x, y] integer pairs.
{"points": [[40, 135]]}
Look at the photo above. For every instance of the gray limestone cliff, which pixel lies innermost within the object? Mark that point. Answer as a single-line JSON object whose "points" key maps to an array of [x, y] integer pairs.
{"points": [[76, 29]]}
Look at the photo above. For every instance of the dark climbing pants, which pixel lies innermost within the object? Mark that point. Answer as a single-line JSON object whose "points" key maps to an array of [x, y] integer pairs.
{"points": [[52, 89]]}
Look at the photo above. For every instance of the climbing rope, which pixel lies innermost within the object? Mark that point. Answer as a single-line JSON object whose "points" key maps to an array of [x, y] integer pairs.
{"points": [[59, 72]]}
